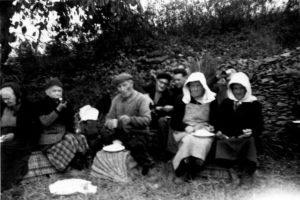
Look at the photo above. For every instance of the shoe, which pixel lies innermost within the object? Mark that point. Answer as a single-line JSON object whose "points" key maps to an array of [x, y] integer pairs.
{"points": [[178, 180], [145, 170], [246, 181]]}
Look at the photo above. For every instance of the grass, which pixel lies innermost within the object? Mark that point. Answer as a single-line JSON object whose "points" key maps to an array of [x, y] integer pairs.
{"points": [[274, 179]]}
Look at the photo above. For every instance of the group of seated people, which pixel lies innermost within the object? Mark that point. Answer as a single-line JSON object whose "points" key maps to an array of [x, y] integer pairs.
{"points": [[48, 126]]}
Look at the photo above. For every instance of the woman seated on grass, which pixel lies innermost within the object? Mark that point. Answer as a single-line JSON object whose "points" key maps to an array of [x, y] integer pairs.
{"points": [[19, 134], [192, 113], [58, 139], [239, 123]]}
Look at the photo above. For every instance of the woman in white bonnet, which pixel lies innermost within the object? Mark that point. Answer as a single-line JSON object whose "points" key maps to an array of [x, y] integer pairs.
{"points": [[192, 112], [239, 125]]}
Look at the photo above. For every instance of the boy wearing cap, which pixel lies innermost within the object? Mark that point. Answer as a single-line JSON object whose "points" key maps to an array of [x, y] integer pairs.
{"points": [[129, 117], [58, 140]]}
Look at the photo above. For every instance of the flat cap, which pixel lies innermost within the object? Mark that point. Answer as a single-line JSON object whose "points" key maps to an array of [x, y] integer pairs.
{"points": [[121, 78]]}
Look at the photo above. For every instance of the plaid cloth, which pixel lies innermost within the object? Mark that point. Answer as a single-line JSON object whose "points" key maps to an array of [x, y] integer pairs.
{"points": [[61, 154], [39, 165]]}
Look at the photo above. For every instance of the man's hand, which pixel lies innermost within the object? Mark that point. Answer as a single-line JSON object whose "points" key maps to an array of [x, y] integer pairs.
{"points": [[221, 136], [167, 108], [111, 123], [125, 119], [247, 133]]}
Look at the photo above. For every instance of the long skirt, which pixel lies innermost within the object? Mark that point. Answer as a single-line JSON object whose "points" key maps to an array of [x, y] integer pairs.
{"points": [[14, 163], [237, 149], [61, 154], [190, 145]]}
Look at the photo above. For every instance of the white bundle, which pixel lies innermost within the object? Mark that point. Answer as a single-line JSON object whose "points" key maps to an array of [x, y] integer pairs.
{"points": [[71, 186]]}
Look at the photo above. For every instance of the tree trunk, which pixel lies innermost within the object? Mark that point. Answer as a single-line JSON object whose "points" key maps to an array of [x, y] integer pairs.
{"points": [[6, 12]]}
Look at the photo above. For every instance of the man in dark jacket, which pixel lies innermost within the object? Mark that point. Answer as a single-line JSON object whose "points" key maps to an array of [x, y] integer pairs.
{"points": [[161, 109]]}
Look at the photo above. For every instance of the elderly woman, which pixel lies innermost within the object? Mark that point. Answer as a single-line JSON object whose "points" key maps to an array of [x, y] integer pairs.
{"points": [[239, 123], [58, 139], [192, 113], [19, 134]]}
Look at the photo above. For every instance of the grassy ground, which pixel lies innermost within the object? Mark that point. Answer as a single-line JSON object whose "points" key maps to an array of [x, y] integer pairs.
{"points": [[274, 180]]}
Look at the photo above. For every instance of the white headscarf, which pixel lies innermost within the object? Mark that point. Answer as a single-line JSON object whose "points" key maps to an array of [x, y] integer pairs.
{"points": [[208, 95], [241, 78]]}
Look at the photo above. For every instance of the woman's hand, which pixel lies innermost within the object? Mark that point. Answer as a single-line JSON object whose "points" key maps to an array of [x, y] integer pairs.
{"points": [[221, 136], [61, 106], [247, 133], [7, 137], [209, 128], [189, 129]]}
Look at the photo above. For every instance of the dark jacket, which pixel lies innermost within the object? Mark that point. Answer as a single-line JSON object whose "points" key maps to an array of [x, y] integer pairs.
{"points": [[176, 92], [27, 130], [247, 116], [179, 112], [165, 99], [65, 117]]}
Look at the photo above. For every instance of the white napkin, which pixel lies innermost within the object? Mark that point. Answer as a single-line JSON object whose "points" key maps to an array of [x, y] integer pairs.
{"points": [[71, 186], [88, 112]]}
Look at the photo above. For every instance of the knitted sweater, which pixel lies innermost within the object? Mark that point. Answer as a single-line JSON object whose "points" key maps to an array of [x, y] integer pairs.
{"points": [[137, 107]]}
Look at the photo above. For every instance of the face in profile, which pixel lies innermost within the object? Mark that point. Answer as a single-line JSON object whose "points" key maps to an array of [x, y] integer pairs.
{"points": [[54, 92], [125, 88], [162, 84], [238, 91], [179, 80], [196, 89], [8, 96]]}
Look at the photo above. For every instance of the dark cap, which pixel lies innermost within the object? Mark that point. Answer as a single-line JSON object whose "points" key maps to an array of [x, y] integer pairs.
{"points": [[53, 82], [164, 75], [121, 78]]}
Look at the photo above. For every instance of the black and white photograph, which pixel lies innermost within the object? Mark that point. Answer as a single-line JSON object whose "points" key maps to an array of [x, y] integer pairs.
{"points": [[150, 99]]}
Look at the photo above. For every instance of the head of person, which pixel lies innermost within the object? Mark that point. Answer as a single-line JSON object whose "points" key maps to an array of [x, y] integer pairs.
{"points": [[54, 88], [239, 88], [179, 77], [10, 94], [162, 81], [124, 83], [196, 87]]}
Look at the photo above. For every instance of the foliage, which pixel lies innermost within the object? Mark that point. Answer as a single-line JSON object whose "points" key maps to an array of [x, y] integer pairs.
{"points": [[119, 23], [214, 17]]}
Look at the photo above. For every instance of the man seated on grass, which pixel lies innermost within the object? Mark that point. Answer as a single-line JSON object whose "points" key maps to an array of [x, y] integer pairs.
{"points": [[161, 109], [129, 118]]}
